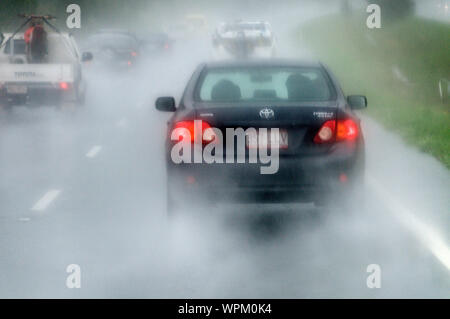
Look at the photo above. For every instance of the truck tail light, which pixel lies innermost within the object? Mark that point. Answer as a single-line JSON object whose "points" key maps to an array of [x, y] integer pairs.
{"points": [[64, 86]]}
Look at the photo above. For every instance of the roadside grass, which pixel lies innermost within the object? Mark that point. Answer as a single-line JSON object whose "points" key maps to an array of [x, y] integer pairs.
{"points": [[397, 67]]}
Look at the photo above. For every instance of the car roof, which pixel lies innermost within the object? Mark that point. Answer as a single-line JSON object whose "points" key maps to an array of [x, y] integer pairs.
{"points": [[263, 63]]}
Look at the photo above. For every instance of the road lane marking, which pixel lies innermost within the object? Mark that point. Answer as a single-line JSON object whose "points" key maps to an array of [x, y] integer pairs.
{"points": [[93, 152], [429, 236], [46, 200]]}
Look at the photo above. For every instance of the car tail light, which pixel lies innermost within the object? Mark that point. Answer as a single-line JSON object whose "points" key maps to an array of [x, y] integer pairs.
{"points": [[326, 132], [346, 130], [190, 180], [64, 86], [343, 178], [190, 126], [133, 53], [129, 63], [166, 46], [342, 130]]}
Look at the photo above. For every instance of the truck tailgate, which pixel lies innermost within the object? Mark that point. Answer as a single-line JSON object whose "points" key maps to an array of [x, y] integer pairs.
{"points": [[36, 73]]}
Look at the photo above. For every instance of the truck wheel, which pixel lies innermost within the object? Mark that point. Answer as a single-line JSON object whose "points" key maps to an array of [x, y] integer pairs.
{"points": [[81, 98], [71, 106], [324, 203]]}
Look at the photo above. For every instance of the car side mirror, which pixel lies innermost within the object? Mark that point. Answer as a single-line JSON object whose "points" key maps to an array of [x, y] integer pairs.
{"points": [[87, 56], [165, 104], [357, 102]]}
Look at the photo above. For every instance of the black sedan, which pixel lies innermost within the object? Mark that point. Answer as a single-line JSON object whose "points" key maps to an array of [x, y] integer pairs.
{"points": [[156, 44], [114, 49], [262, 131]]}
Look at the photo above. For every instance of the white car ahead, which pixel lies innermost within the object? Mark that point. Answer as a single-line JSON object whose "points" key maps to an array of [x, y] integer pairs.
{"points": [[244, 39]]}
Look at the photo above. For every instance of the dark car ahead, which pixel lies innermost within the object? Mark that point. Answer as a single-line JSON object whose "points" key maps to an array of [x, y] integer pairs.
{"points": [[158, 43], [114, 49], [301, 141]]}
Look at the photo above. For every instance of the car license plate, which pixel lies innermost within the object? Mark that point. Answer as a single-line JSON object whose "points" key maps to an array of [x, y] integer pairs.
{"points": [[16, 89], [266, 140]]}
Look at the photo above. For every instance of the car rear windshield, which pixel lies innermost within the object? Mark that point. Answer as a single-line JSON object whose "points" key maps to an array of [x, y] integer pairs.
{"points": [[259, 84]]}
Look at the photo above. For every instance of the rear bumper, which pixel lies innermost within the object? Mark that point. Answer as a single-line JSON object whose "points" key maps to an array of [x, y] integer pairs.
{"points": [[301, 179], [121, 64], [37, 93]]}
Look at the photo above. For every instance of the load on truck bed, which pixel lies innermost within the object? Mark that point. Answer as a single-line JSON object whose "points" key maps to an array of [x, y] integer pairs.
{"points": [[56, 80]]}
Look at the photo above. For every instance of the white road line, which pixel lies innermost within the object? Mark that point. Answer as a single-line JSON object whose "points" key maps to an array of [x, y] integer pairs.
{"points": [[93, 152], [46, 200], [424, 232]]}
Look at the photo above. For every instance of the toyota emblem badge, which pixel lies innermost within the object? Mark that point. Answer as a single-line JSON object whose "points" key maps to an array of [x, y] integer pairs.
{"points": [[266, 113]]}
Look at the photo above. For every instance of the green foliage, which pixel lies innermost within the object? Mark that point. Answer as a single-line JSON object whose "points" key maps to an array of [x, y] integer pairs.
{"points": [[9, 10], [363, 60], [391, 10]]}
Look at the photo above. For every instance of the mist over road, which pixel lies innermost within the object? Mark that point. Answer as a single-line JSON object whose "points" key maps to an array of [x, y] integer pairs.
{"points": [[89, 188]]}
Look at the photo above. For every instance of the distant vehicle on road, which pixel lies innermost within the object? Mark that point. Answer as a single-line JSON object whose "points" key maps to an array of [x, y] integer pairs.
{"points": [[158, 43], [196, 23], [310, 124], [114, 49], [56, 81], [191, 26], [244, 39]]}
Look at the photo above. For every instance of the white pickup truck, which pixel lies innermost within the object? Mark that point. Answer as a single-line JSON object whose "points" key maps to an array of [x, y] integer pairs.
{"points": [[57, 81]]}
